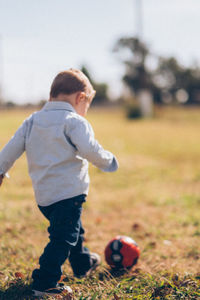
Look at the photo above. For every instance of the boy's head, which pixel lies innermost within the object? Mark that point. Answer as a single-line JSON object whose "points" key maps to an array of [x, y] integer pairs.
{"points": [[74, 87]]}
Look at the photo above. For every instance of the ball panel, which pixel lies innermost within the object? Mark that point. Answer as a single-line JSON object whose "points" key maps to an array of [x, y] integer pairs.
{"points": [[127, 240], [130, 253]]}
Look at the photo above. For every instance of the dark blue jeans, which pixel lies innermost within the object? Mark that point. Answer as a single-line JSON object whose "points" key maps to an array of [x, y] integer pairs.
{"points": [[66, 236]]}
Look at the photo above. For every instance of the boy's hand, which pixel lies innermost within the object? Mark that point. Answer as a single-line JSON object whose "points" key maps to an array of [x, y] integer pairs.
{"points": [[1, 179]]}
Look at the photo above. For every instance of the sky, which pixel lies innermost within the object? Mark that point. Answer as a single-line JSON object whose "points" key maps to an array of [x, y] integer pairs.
{"points": [[39, 38]]}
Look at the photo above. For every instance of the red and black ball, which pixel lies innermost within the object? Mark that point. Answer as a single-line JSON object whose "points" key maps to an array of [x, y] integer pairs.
{"points": [[122, 252]]}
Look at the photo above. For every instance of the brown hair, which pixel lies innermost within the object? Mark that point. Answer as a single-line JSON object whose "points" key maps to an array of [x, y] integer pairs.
{"points": [[69, 82]]}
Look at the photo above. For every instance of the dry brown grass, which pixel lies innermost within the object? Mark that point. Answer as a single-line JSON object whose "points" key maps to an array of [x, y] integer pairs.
{"points": [[154, 197]]}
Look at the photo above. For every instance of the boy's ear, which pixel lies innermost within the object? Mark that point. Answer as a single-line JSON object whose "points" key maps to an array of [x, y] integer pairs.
{"points": [[80, 97]]}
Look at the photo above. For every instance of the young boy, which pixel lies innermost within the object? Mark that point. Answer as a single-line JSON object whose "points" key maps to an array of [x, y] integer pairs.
{"points": [[59, 142]]}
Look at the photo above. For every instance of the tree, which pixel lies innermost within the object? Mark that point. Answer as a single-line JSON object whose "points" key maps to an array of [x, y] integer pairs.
{"points": [[169, 77], [137, 75], [172, 77]]}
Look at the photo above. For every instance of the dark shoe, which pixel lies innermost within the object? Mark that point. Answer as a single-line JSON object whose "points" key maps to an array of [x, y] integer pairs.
{"points": [[95, 261], [60, 289]]}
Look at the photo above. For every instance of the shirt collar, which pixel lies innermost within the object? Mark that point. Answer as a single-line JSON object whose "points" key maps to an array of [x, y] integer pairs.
{"points": [[58, 105]]}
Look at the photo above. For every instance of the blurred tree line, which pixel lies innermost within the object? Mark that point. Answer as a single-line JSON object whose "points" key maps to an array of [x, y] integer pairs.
{"points": [[167, 80]]}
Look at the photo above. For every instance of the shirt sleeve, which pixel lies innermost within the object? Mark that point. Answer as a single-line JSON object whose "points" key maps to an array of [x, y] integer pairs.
{"points": [[82, 137], [14, 149]]}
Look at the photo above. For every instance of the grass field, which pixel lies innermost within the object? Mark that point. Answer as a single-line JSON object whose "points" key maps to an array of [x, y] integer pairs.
{"points": [[154, 197]]}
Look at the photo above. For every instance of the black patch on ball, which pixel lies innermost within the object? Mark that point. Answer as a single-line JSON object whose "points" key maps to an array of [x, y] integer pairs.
{"points": [[116, 245]]}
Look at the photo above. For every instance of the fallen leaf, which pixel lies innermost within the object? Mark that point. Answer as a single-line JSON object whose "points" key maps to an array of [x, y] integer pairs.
{"points": [[19, 275], [152, 244], [136, 226]]}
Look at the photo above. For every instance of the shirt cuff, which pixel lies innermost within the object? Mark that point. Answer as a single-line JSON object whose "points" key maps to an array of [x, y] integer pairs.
{"points": [[113, 166]]}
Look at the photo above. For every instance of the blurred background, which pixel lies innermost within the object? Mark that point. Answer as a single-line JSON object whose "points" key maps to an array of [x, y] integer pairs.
{"points": [[136, 52]]}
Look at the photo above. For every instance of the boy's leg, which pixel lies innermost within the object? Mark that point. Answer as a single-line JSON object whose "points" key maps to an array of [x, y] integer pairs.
{"points": [[81, 259], [64, 217], [79, 256]]}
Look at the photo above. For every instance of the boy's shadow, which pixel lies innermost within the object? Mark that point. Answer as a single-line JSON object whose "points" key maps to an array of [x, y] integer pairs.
{"points": [[17, 290]]}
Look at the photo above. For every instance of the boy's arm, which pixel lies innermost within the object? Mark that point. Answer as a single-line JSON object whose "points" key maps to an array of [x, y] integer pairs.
{"points": [[13, 150], [82, 137]]}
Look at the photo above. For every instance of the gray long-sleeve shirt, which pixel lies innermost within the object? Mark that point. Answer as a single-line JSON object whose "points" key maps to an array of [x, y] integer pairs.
{"points": [[58, 144]]}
